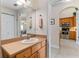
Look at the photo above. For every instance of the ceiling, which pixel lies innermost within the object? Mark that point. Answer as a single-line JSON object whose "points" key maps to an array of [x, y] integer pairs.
{"points": [[10, 4], [56, 2], [35, 4]]}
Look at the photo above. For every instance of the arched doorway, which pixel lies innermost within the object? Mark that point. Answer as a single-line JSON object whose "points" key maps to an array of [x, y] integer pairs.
{"points": [[67, 23]]}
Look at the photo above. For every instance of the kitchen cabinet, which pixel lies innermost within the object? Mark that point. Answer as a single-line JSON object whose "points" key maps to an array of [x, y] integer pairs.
{"points": [[70, 20], [72, 35], [74, 21]]}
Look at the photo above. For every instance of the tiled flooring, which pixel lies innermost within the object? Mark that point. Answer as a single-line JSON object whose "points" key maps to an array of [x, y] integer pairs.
{"points": [[68, 49]]}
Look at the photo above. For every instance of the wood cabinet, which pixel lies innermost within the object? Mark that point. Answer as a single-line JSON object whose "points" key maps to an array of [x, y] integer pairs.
{"points": [[36, 47], [70, 20], [38, 50], [32, 50], [74, 21], [72, 35], [42, 52], [35, 55], [24, 54]]}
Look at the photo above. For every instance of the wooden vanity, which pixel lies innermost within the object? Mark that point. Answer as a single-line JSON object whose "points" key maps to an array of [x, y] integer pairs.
{"points": [[20, 50]]}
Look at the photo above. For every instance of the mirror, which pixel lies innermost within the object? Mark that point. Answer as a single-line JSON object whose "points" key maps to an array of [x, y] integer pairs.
{"points": [[27, 21]]}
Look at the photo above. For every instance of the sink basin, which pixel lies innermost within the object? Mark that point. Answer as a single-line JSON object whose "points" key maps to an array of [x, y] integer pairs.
{"points": [[31, 40]]}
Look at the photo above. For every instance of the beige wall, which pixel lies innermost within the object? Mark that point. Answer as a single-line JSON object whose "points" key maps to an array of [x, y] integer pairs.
{"points": [[67, 12], [42, 31]]}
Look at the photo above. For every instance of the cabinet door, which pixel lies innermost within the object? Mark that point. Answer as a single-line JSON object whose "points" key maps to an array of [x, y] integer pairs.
{"points": [[70, 20], [35, 55], [24, 54], [36, 47], [42, 52], [64, 20], [74, 21], [73, 35]]}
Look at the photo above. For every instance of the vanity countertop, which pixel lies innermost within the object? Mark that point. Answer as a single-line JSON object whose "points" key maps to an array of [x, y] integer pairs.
{"points": [[15, 47]]}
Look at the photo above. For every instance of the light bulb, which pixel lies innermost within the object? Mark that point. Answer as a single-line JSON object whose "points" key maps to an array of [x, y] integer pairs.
{"points": [[68, 0], [19, 3]]}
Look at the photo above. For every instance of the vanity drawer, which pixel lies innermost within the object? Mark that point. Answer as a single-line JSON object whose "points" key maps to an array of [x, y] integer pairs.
{"points": [[24, 54], [44, 43], [36, 47]]}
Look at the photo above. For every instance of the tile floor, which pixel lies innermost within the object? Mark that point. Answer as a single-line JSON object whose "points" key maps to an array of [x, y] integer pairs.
{"points": [[68, 49]]}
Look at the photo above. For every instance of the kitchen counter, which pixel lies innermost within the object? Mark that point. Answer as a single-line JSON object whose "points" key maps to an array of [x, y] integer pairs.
{"points": [[15, 47], [73, 29]]}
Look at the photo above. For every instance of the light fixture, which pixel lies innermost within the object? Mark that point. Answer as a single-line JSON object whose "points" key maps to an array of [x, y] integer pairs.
{"points": [[21, 2], [68, 0]]}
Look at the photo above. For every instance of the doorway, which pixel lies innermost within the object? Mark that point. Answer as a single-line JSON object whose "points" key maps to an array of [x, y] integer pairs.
{"points": [[68, 33], [67, 23]]}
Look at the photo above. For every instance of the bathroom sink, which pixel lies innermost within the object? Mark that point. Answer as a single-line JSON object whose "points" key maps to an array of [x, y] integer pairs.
{"points": [[28, 41]]}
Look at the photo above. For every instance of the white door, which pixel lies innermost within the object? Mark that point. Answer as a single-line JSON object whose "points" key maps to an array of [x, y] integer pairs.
{"points": [[7, 26], [77, 31]]}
